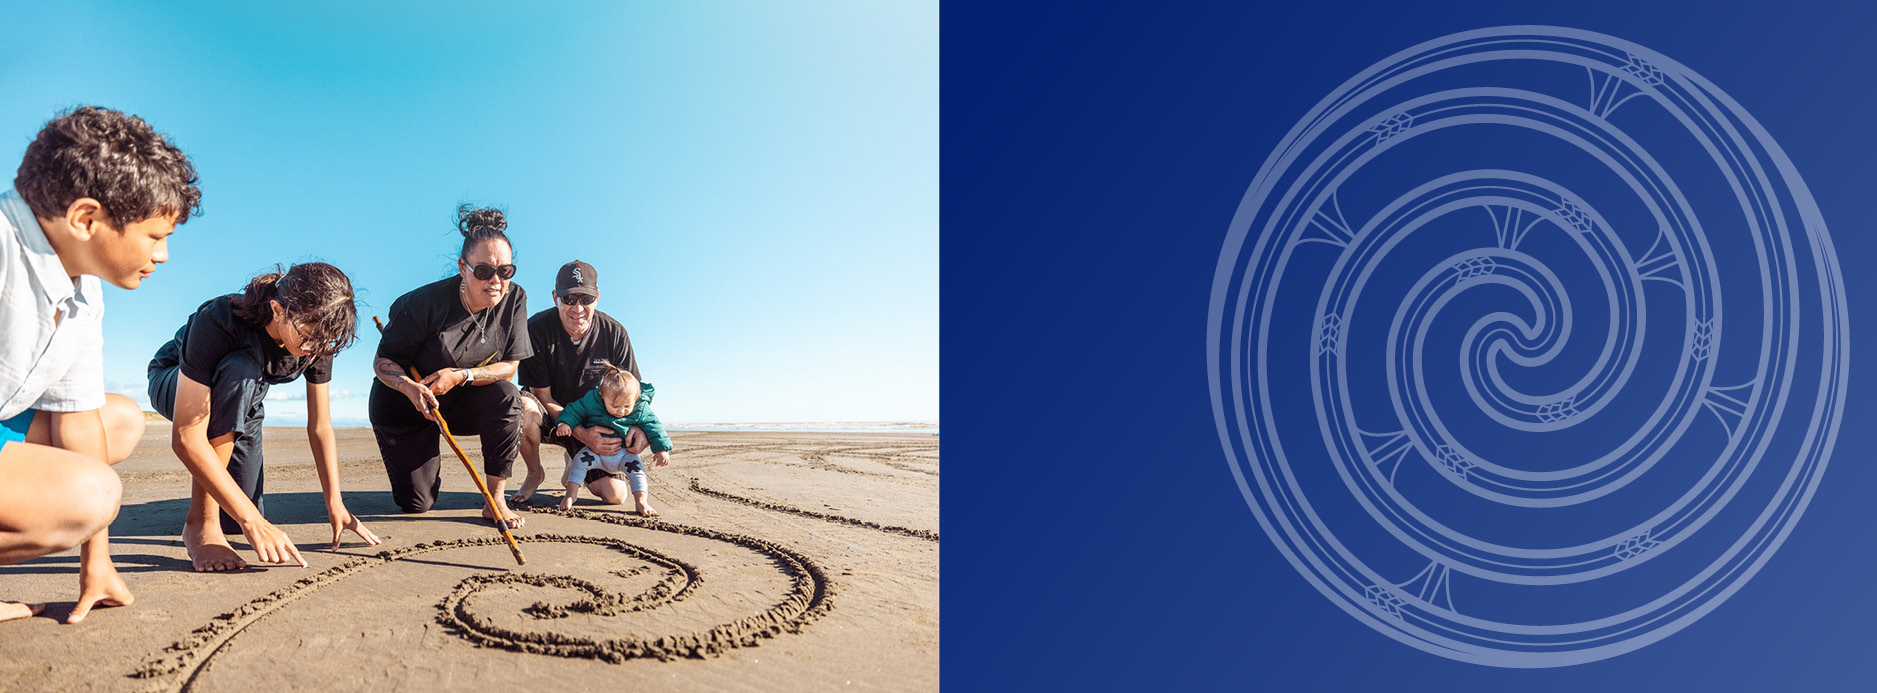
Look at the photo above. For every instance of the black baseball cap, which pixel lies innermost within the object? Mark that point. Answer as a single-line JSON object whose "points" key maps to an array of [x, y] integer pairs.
{"points": [[577, 279]]}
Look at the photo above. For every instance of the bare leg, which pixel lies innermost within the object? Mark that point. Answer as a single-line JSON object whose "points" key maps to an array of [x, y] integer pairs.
{"points": [[611, 491], [123, 426], [121, 422], [202, 527], [51, 500], [530, 451], [644, 503], [497, 486]]}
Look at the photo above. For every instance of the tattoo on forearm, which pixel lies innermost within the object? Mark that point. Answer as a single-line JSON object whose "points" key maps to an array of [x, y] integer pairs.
{"points": [[389, 371]]}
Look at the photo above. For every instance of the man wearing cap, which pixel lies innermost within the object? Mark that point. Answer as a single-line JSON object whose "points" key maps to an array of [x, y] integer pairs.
{"points": [[571, 341]]}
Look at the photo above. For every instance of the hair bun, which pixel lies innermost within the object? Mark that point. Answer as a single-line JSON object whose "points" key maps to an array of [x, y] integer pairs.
{"points": [[475, 221]]}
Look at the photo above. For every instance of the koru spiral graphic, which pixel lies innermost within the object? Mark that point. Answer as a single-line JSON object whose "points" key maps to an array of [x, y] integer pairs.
{"points": [[1527, 346]]}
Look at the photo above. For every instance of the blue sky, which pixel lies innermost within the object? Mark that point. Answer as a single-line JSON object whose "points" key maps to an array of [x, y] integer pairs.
{"points": [[757, 183]]}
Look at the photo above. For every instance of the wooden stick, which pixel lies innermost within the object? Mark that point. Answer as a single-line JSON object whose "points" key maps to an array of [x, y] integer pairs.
{"points": [[495, 510]]}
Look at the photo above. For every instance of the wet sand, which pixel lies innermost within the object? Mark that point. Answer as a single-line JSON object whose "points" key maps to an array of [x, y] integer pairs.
{"points": [[781, 562]]}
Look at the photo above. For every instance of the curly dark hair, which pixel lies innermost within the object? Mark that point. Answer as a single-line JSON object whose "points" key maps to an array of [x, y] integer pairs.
{"points": [[111, 157], [478, 224], [318, 299]]}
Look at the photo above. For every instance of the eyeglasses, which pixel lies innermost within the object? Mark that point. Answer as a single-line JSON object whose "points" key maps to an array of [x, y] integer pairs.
{"points": [[576, 300], [485, 272], [314, 347]]}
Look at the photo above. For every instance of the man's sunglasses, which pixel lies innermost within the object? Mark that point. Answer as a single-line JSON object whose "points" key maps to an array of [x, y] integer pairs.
{"points": [[576, 300], [485, 272]]}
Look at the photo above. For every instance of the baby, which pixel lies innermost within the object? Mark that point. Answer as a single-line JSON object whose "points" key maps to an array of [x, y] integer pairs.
{"points": [[620, 402]]}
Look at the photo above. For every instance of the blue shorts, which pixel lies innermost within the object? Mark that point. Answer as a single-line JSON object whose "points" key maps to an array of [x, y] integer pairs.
{"points": [[15, 428]]}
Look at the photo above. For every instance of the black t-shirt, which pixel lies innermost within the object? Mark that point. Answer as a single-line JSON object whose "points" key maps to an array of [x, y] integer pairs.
{"points": [[569, 370], [430, 329], [214, 332]]}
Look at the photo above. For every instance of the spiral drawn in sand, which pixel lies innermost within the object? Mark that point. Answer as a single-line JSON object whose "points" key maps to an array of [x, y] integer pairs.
{"points": [[808, 598], [1527, 346]]}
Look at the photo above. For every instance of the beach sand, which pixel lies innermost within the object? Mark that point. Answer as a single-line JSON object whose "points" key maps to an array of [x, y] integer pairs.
{"points": [[791, 561]]}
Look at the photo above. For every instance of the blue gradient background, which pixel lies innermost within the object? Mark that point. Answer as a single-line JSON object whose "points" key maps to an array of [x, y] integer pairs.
{"points": [[1092, 160]]}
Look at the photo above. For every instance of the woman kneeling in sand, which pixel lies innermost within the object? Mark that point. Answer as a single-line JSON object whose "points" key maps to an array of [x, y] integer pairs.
{"points": [[466, 333], [211, 380]]}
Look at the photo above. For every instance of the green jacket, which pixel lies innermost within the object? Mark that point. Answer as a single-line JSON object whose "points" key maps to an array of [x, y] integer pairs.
{"points": [[590, 410]]}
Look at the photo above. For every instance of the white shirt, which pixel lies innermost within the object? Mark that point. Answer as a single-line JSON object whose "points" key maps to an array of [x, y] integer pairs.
{"points": [[45, 363]]}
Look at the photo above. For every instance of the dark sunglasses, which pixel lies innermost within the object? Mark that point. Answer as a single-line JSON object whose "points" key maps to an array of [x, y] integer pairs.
{"points": [[576, 300], [484, 272]]}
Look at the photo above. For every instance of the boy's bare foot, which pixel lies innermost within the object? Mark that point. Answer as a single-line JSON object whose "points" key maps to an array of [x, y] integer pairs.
{"points": [[209, 550], [645, 509], [514, 521], [13, 610]]}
